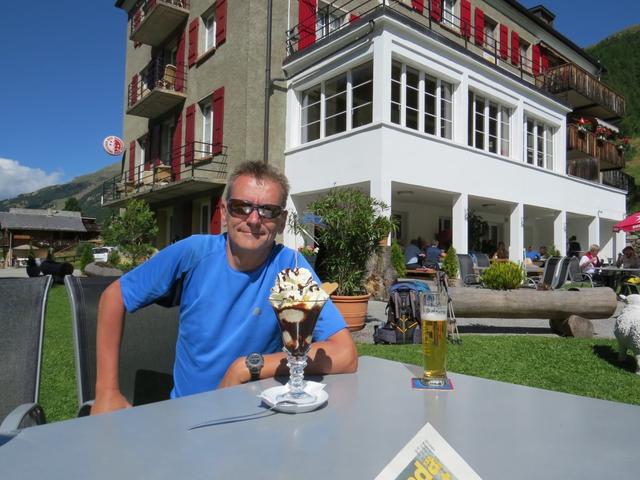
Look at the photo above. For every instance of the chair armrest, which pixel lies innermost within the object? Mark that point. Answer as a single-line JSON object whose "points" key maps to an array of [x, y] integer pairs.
{"points": [[25, 415], [85, 408]]}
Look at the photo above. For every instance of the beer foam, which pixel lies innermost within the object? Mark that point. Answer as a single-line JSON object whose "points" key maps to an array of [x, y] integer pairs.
{"points": [[296, 287]]}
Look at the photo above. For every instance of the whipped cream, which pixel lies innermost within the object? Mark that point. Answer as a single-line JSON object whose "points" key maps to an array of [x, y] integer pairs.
{"points": [[294, 287]]}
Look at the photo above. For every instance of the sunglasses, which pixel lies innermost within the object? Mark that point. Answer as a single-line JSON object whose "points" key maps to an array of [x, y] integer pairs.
{"points": [[242, 209]]}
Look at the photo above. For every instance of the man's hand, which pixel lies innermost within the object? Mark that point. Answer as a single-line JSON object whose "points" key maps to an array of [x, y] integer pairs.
{"points": [[236, 374], [108, 402]]}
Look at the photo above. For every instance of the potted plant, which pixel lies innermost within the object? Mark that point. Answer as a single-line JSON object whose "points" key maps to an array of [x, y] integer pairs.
{"points": [[350, 226], [450, 266]]}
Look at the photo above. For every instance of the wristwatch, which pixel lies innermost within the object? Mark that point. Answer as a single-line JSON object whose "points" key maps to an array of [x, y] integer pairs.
{"points": [[254, 363]]}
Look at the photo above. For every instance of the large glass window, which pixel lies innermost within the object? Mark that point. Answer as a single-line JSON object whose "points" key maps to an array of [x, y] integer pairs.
{"points": [[489, 125], [207, 128], [210, 32], [448, 13], [338, 104], [436, 109], [539, 144], [328, 19]]}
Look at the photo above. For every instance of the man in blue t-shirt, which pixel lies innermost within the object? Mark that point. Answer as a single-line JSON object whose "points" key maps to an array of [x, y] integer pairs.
{"points": [[225, 315]]}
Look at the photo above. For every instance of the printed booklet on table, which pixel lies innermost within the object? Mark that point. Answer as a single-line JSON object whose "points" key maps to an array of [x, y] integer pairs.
{"points": [[427, 456]]}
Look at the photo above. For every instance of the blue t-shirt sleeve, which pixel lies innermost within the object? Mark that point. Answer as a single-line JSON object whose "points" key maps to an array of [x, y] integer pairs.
{"points": [[154, 278]]}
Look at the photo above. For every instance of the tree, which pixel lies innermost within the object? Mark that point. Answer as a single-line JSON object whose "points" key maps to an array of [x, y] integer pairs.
{"points": [[72, 205], [132, 231]]}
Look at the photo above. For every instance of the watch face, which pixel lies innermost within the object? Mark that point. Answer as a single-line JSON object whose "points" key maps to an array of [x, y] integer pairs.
{"points": [[254, 360]]}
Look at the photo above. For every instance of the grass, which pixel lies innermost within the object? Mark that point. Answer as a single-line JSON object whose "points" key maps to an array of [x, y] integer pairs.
{"points": [[586, 367]]}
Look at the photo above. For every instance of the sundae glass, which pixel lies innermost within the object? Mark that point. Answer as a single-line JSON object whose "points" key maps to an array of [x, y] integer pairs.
{"points": [[297, 301]]}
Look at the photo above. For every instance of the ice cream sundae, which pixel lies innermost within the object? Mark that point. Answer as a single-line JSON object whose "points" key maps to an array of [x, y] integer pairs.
{"points": [[297, 300]]}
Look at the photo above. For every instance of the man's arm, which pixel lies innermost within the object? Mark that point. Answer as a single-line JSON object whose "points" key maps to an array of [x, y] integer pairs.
{"points": [[337, 354], [108, 339]]}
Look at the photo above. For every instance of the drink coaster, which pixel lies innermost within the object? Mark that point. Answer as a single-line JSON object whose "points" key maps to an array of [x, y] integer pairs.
{"points": [[416, 383]]}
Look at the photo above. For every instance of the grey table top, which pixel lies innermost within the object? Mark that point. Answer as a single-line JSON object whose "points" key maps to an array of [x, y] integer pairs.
{"points": [[503, 431]]}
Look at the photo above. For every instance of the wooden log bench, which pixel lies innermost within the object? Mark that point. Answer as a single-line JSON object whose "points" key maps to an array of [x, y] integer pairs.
{"points": [[569, 311]]}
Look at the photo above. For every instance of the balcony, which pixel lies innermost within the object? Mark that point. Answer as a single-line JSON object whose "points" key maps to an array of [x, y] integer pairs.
{"points": [[192, 169], [584, 92], [619, 179], [581, 144], [158, 88], [153, 20]]}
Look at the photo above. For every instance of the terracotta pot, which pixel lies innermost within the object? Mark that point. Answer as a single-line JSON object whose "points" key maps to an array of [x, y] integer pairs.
{"points": [[353, 309]]}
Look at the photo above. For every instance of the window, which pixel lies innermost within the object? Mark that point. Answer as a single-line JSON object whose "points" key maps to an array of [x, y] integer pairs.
{"points": [[539, 144], [166, 142], [204, 218], [490, 33], [328, 19], [524, 47], [207, 128], [489, 125], [448, 13], [140, 158], [210, 31], [436, 110], [338, 104]]}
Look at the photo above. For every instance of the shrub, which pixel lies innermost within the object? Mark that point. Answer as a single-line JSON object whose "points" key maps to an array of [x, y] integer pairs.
{"points": [[114, 258], [552, 251], [450, 263], [86, 257], [503, 276], [397, 259]]}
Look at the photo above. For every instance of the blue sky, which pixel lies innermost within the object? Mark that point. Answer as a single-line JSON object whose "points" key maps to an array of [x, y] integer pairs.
{"points": [[62, 81]]}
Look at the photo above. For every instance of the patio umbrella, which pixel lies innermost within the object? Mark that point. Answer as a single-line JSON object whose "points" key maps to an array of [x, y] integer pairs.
{"points": [[629, 224]]}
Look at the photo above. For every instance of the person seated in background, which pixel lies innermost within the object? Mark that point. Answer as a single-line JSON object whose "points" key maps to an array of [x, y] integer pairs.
{"points": [[532, 254], [434, 253], [412, 254], [628, 258], [590, 261], [543, 252], [501, 253]]}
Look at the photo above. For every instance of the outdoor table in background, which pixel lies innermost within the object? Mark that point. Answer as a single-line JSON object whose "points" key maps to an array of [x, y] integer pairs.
{"points": [[421, 272], [503, 431], [613, 276], [533, 270]]}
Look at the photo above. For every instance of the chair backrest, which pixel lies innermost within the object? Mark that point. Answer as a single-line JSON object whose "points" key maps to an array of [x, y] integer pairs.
{"points": [[575, 274], [169, 75], [482, 260], [22, 310], [148, 345], [467, 270], [549, 272], [562, 273]]}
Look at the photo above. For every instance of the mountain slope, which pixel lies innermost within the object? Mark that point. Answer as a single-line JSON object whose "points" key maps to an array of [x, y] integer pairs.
{"points": [[86, 188]]}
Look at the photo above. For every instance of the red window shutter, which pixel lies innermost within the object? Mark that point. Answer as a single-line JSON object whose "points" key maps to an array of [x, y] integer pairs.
{"points": [[515, 48], [306, 23], [150, 4], [535, 56], [221, 22], [189, 133], [216, 218], [479, 26], [504, 42], [155, 145], [218, 119], [132, 161], [133, 94], [180, 67], [418, 5], [137, 16], [176, 148], [545, 61], [436, 10], [193, 41], [353, 17], [465, 18]]}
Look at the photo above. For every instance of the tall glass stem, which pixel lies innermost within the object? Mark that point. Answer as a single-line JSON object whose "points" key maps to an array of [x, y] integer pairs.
{"points": [[296, 375]]}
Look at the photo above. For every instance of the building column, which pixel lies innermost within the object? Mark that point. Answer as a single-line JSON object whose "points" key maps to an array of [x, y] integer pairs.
{"points": [[380, 189], [516, 233], [381, 78], [594, 232], [560, 232], [459, 226]]}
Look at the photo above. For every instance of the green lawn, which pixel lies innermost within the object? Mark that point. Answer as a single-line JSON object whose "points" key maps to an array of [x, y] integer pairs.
{"points": [[579, 366]]}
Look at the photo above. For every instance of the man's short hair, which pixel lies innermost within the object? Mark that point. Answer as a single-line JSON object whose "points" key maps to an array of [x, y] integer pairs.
{"points": [[260, 171]]}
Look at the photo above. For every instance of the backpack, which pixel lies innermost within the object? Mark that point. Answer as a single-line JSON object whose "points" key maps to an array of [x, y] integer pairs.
{"points": [[403, 315]]}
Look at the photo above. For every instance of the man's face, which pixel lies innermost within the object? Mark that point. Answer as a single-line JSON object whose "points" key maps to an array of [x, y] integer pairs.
{"points": [[253, 233]]}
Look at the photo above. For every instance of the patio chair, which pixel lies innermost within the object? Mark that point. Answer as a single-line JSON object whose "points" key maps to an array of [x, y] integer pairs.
{"points": [[467, 270], [482, 260], [548, 273], [23, 304], [561, 273], [168, 79], [147, 352]]}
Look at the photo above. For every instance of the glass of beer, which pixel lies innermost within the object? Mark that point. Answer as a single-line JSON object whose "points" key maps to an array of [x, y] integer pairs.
{"points": [[433, 319]]}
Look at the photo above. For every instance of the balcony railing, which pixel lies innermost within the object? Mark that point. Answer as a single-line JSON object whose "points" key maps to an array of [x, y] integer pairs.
{"points": [[158, 88], [195, 161], [607, 153], [619, 179], [582, 90], [153, 20], [339, 15]]}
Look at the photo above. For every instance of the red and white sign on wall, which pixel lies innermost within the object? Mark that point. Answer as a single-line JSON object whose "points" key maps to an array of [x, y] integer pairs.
{"points": [[113, 145]]}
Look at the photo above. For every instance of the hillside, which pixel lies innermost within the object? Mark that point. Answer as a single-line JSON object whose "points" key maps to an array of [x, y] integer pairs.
{"points": [[87, 189]]}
